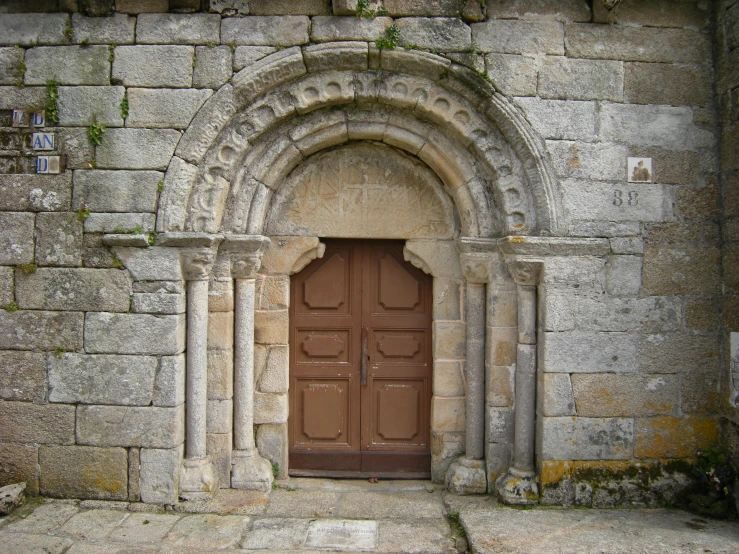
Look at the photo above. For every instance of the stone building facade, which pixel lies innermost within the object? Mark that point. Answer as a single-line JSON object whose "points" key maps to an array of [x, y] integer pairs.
{"points": [[565, 171]]}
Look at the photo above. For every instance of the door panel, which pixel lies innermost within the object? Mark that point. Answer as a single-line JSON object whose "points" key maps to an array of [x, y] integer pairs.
{"points": [[338, 425]]}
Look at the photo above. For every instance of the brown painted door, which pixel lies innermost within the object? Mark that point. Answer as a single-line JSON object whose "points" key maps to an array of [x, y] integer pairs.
{"points": [[360, 364]]}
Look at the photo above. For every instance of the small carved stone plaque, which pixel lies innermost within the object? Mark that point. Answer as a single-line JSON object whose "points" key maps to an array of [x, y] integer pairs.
{"points": [[342, 534]]}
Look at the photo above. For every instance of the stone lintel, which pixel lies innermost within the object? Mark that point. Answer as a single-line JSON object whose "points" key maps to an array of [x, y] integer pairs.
{"points": [[192, 240], [553, 246]]}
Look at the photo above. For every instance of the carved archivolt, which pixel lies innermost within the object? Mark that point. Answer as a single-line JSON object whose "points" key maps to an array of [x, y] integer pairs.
{"points": [[252, 133]]}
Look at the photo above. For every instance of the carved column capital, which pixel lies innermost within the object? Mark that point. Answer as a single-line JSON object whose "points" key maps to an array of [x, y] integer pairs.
{"points": [[477, 267], [525, 270], [197, 263], [245, 254]]}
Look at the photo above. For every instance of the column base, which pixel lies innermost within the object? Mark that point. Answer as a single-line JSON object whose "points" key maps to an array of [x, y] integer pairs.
{"points": [[516, 487], [249, 471], [466, 476], [198, 480]]}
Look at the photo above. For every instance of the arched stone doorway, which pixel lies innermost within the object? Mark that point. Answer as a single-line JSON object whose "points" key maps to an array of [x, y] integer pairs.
{"points": [[243, 200]]}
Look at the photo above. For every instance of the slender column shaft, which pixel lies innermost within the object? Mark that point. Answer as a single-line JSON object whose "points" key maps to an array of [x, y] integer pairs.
{"points": [[475, 372], [523, 447], [244, 365], [197, 368]]}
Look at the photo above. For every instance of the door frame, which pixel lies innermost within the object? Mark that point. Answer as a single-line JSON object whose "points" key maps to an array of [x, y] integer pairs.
{"points": [[438, 258]]}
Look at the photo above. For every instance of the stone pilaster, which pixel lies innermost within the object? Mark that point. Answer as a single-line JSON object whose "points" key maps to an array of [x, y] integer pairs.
{"points": [[249, 470]]}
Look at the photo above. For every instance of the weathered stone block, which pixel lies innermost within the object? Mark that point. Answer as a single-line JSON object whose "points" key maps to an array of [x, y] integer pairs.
{"points": [[665, 126], [589, 161], [671, 437], [141, 6], [701, 391], [16, 238], [557, 311], [449, 340], [95, 379], [623, 275], [219, 448], [701, 314], [116, 191], [171, 28], [58, 239], [42, 28], [220, 330], [246, 55], [68, 65], [439, 33], [75, 146], [445, 447], [558, 399], [23, 376], [287, 7], [678, 353], [213, 66], [164, 108], [608, 395], [220, 296], [169, 383], [639, 44], [447, 414], [519, 37], [287, 30], [34, 330], [559, 119], [115, 29], [682, 269], [274, 293], [657, 83], [7, 286], [501, 345], [324, 29], [219, 418], [616, 202], [653, 313], [499, 425], [587, 352], [131, 333], [160, 475], [19, 464], [158, 303], [81, 106], [10, 63], [512, 74], [220, 374], [581, 79], [588, 272], [128, 426], [567, 10], [275, 375], [448, 379], [439, 258], [153, 66], [270, 408], [84, 472], [74, 290], [396, 8], [151, 264], [35, 193], [34, 423], [137, 148], [271, 327], [272, 443], [578, 438], [447, 299], [654, 13], [499, 386]]}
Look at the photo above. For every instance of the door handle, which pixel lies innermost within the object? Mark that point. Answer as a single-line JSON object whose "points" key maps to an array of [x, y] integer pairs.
{"points": [[363, 360]]}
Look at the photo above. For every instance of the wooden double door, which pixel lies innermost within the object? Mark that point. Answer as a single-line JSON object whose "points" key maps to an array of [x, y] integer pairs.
{"points": [[360, 364]]}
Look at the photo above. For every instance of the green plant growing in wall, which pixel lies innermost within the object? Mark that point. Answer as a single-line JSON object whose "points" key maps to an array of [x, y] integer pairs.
{"points": [[12, 307], [160, 185], [111, 52], [52, 106], [27, 269], [59, 352], [83, 212], [364, 10], [20, 83], [391, 38], [68, 32], [95, 133], [124, 105]]}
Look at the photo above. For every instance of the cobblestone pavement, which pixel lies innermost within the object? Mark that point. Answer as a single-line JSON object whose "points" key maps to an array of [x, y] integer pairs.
{"points": [[321, 515]]}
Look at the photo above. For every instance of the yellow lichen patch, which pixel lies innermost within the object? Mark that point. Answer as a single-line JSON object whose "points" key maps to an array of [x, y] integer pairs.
{"points": [[671, 437], [553, 470], [517, 238]]}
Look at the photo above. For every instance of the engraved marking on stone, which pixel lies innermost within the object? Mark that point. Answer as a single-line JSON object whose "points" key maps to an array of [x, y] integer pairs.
{"points": [[42, 141], [323, 346], [630, 199], [640, 170], [48, 164], [342, 534]]}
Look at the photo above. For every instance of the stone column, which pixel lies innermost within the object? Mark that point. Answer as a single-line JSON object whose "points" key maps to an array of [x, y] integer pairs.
{"points": [[249, 470], [198, 479], [468, 475], [518, 485]]}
